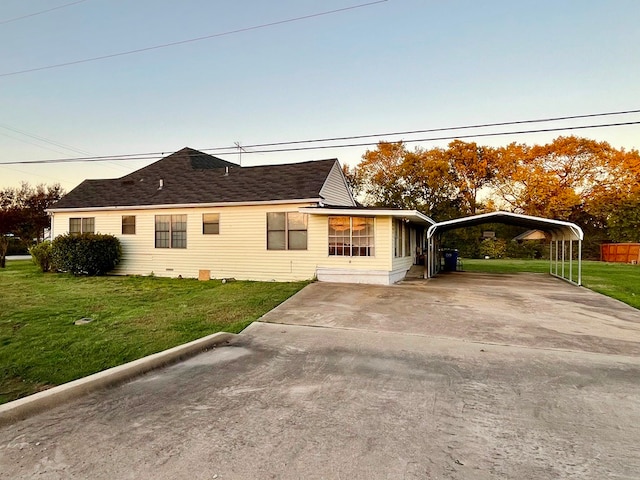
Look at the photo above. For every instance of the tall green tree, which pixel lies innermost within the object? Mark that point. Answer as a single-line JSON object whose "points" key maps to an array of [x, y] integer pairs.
{"points": [[23, 214], [8, 223]]}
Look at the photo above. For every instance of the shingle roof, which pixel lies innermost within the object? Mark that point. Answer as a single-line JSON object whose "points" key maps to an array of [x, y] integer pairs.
{"points": [[191, 177]]}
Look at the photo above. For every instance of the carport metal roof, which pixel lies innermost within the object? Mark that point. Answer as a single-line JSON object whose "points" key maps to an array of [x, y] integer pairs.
{"points": [[558, 229], [563, 234]]}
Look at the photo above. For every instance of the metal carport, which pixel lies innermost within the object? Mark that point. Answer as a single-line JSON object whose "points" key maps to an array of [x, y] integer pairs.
{"points": [[563, 235]]}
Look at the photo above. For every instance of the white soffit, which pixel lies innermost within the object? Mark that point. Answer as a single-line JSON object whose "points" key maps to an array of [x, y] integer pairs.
{"points": [[411, 215]]}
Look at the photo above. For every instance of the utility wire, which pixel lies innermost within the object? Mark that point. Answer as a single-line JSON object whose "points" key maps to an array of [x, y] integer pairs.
{"points": [[44, 140], [151, 155], [2, 22], [31, 173], [436, 139], [197, 39], [45, 147], [321, 147], [432, 130], [50, 142]]}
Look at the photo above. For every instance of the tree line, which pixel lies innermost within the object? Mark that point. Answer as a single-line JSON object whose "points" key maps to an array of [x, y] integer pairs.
{"points": [[23, 216], [577, 179]]}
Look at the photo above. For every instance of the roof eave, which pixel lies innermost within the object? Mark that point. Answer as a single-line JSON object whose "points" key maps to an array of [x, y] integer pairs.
{"points": [[186, 205], [413, 215]]}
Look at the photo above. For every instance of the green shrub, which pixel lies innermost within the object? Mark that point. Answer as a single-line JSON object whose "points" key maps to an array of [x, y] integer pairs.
{"points": [[529, 249], [493, 247], [85, 254], [41, 255]]}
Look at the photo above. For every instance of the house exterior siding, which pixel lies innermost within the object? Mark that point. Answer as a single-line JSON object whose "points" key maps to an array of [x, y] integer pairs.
{"points": [[239, 250], [335, 190]]}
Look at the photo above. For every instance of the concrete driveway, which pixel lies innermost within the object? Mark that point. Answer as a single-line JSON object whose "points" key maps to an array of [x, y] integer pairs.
{"points": [[503, 377]]}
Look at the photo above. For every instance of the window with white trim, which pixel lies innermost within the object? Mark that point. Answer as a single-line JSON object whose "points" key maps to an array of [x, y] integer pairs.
{"points": [[287, 230], [351, 236], [82, 225], [171, 231]]}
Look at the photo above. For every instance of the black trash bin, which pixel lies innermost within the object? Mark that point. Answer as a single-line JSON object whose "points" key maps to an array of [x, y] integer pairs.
{"points": [[450, 259]]}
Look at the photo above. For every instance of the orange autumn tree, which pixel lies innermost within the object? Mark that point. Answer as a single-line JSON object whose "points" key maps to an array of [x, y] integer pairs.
{"points": [[473, 167], [617, 202], [430, 181], [554, 180], [380, 175], [569, 178], [393, 176]]}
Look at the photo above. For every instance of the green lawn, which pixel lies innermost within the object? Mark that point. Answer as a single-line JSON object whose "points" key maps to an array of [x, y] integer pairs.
{"points": [[617, 280], [133, 317]]}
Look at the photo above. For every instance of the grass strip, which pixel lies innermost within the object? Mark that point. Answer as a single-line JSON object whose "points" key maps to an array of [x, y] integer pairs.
{"points": [[40, 346]]}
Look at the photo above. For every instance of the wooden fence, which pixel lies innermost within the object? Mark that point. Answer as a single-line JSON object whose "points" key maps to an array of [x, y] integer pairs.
{"points": [[620, 252]]}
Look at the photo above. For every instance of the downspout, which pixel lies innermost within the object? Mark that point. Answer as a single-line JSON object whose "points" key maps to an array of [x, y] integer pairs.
{"points": [[51, 228]]}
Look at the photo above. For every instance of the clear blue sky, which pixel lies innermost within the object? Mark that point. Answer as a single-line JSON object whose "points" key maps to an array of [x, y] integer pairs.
{"points": [[398, 65]]}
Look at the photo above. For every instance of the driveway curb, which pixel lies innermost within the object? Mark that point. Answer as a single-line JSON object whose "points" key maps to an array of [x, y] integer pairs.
{"points": [[24, 407]]}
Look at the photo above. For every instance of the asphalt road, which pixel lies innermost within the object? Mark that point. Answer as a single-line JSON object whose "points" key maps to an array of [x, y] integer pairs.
{"points": [[503, 377]]}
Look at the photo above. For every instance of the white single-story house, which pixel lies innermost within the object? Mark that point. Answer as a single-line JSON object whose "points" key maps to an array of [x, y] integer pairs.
{"points": [[194, 215]]}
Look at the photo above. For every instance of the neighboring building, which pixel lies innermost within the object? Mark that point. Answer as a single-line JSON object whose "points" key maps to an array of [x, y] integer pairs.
{"points": [[538, 235], [195, 215]]}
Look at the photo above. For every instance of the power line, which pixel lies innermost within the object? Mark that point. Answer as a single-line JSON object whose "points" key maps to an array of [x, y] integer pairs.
{"points": [[33, 143], [454, 137], [433, 130], [31, 173], [197, 39], [322, 147], [151, 155], [48, 141], [2, 22], [43, 139]]}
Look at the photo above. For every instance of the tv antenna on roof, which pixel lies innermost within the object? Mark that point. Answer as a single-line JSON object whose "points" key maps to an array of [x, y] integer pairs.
{"points": [[240, 150]]}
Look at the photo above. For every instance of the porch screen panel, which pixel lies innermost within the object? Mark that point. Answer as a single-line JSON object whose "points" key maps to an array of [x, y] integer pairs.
{"points": [[339, 236], [362, 237], [351, 236]]}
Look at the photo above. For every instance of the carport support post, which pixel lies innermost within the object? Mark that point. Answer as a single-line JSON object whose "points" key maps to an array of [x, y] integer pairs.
{"points": [[570, 260], [579, 262], [563, 249]]}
